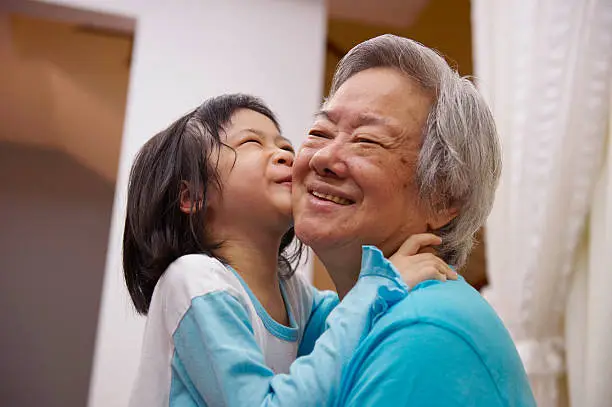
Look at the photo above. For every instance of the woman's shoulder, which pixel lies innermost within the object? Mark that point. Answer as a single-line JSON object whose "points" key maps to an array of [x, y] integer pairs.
{"points": [[454, 306]]}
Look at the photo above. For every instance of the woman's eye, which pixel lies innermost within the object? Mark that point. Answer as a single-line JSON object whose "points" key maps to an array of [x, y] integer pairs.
{"points": [[367, 141], [318, 134]]}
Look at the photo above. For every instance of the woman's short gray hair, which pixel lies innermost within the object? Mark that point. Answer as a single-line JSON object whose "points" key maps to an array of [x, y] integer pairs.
{"points": [[460, 158]]}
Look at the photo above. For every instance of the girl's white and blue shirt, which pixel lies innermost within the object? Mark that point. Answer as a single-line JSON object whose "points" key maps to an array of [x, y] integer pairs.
{"points": [[209, 342]]}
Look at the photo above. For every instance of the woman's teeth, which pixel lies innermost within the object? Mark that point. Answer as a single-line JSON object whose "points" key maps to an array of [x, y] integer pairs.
{"points": [[332, 198]]}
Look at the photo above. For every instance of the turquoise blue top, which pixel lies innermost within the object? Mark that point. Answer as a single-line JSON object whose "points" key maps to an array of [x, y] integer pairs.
{"points": [[442, 345], [209, 342]]}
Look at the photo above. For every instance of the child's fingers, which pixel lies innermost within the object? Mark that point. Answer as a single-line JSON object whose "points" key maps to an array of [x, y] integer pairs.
{"points": [[442, 273], [428, 258], [445, 269], [435, 274], [433, 264], [427, 249], [449, 272], [451, 275], [414, 243]]}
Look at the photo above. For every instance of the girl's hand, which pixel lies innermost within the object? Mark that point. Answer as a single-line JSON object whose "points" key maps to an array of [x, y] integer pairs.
{"points": [[417, 266]]}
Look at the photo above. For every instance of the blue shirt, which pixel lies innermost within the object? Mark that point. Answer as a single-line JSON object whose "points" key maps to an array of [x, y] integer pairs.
{"points": [[442, 345], [208, 341]]}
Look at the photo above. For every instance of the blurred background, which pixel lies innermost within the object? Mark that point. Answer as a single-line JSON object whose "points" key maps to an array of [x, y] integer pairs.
{"points": [[84, 83]]}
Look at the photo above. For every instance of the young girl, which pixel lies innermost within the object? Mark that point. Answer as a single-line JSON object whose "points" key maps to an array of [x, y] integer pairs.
{"points": [[207, 257]]}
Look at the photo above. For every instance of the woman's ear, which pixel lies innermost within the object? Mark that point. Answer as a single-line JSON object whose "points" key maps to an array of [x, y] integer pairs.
{"points": [[188, 203], [442, 217]]}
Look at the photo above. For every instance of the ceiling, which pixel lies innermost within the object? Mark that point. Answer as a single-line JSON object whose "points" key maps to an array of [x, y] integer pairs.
{"points": [[392, 13]]}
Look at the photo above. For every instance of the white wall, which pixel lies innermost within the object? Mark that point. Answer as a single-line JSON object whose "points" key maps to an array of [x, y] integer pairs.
{"points": [[184, 52]]}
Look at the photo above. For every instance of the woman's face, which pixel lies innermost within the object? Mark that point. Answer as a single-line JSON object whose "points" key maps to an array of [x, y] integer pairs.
{"points": [[354, 177]]}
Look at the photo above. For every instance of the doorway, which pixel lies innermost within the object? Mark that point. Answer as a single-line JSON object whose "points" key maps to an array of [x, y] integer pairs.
{"points": [[63, 90]]}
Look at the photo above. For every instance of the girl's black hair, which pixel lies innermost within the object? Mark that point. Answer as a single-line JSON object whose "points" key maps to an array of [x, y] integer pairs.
{"points": [[156, 231]]}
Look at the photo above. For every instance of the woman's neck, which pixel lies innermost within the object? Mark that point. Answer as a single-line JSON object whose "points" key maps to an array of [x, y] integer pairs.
{"points": [[343, 268]]}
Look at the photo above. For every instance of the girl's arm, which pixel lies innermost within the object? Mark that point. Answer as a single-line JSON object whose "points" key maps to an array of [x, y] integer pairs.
{"points": [[323, 303], [218, 362]]}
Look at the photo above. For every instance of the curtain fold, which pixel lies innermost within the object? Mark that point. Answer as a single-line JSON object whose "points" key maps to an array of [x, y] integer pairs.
{"points": [[545, 67], [588, 313]]}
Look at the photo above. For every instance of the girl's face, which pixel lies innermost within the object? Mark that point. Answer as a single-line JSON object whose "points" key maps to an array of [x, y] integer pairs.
{"points": [[255, 177]]}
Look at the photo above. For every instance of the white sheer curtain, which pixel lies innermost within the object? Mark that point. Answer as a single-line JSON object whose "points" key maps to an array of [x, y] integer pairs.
{"points": [[588, 326], [545, 67]]}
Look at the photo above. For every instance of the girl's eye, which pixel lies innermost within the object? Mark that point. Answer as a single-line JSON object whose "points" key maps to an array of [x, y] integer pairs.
{"points": [[289, 148], [251, 141]]}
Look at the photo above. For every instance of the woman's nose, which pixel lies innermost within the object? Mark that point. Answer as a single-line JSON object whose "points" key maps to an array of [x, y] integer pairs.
{"points": [[327, 161]]}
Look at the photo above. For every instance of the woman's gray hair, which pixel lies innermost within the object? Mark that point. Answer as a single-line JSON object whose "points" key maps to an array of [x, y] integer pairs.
{"points": [[460, 158]]}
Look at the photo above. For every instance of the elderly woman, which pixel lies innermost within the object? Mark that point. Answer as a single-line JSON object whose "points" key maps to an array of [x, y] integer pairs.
{"points": [[404, 145]]}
